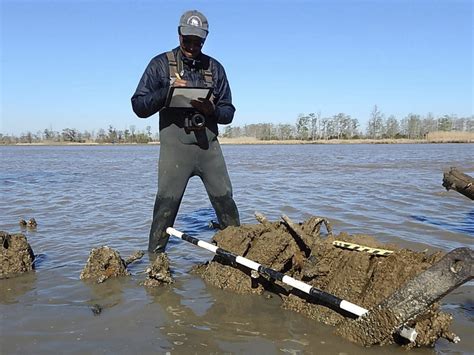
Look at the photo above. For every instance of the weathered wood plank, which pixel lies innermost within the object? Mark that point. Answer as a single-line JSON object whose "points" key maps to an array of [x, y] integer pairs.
{"points": [[303, 240], [457, 180], [405, 304]]}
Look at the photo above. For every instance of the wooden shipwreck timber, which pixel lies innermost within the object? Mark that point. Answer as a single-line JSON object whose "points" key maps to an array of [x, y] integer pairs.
{"points": [[372, 293], [454, 179]]}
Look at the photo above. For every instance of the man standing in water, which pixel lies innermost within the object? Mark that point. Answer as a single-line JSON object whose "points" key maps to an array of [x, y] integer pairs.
{"points": [[187, 149]]}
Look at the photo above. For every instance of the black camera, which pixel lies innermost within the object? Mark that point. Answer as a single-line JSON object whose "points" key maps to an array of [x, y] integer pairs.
{"points": [[194, 121]]}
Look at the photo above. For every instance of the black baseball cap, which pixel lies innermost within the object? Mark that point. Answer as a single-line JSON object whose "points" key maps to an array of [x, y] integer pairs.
{"points": [[193, 23]]}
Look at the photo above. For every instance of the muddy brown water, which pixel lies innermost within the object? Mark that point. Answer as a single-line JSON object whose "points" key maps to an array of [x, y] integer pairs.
{"points": [[85, 197]]}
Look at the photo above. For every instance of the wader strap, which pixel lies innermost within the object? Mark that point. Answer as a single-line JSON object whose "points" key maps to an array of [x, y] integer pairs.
{"points": [[172, 64], [176, 66], [207, 74]]}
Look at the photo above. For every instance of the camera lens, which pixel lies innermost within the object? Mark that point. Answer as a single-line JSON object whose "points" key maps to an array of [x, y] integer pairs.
{"points": [[198, 120]]}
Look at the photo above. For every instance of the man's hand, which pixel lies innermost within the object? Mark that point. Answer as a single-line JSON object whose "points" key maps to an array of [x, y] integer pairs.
{"points": [[204, 106], [180, 82]]}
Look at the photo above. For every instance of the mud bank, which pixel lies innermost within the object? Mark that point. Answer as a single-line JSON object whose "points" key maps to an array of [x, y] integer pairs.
{"points": [[302, 252], [16, 256]]}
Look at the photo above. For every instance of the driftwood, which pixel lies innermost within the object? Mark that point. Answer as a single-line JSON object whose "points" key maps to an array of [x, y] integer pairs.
{"points": [[457, 180], [134, 257], [405, 304], [303, 240], [262, 219]]}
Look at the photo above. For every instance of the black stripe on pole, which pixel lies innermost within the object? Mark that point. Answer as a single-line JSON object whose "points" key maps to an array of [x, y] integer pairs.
{"points": [[190, 239], [325, 297], [226, 254], [318, 294], [276, 275], [219, 251]]}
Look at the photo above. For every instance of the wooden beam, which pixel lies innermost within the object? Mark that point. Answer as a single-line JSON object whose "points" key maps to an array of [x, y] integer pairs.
{"points": [[411, 300], [457, 180]]}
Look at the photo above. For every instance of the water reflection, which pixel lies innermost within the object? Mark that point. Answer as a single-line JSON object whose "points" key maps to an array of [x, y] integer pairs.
{"points": [[105, 295], [199, 320], [463, 225], [40, 259], [197, 221], [13, 288]]}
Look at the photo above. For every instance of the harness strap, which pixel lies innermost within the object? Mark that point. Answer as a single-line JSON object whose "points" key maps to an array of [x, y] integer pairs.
{"points": [[208, 77], [173, 64], [176, 66]]}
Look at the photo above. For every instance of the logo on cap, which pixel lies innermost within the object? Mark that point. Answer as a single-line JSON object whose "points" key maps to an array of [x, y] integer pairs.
{"points": [[194, 21]]}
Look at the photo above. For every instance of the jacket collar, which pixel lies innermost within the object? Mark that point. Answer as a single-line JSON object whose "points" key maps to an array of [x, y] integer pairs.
{"points": [[195, 63]]}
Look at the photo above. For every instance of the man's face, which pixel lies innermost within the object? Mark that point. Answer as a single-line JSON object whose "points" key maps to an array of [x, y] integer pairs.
{"points": [[191, 45]]}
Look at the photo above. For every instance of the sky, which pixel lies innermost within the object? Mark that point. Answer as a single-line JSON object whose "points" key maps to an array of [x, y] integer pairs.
{"points": [[76, 64]]}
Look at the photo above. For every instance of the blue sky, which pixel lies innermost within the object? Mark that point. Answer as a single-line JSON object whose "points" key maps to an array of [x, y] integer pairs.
{"points": [[75, 64]]}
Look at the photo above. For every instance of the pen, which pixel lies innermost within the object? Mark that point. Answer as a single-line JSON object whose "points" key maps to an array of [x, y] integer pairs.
{"points": [[177, 75]]}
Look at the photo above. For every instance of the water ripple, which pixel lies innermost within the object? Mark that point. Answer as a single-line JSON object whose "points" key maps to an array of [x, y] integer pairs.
{"points": [[84, 197]]}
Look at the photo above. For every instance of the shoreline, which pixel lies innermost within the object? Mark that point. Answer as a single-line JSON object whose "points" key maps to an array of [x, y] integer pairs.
{"points": [[250, 141], [254, 141]]}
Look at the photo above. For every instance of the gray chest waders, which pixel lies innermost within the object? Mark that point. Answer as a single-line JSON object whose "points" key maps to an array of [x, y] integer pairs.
{"points": [[178, 163]]}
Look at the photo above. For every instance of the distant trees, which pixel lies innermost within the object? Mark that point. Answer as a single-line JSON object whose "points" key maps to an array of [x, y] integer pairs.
{"points": [[392, 127], [375, 125], [72, 135], [445, 123], [302, 127], [345, 126], [314, 126], [309, 127], [285, 132], [411, 126], [129, 135]]}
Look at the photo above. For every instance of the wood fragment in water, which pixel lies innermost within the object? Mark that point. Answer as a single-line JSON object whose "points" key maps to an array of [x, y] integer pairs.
{"points": [[457, 180]]}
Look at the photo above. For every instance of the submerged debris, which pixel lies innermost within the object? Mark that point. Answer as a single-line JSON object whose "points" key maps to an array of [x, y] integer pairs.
{"points": [[300, 251], [456, 180], [96, 309], [16, 255], [134, 257], [105, 262], [159, 272], [32, 224]]}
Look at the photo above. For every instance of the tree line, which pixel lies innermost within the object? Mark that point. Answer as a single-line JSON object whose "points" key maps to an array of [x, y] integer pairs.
{"points": [[312, 126], [71, 135]]}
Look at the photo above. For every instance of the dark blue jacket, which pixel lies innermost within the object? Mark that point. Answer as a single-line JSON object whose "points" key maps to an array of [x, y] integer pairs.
{"points": [[150, 95]]}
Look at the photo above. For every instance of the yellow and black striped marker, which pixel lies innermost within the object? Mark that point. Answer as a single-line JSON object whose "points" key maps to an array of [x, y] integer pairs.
{"points": [[358, 247]]}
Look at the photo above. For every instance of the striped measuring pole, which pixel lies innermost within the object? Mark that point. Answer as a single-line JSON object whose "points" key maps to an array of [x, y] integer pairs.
{"points": [[327, 298]]}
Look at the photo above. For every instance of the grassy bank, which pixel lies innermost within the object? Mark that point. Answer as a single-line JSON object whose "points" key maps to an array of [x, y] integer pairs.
{"points": [[432, 137]]}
